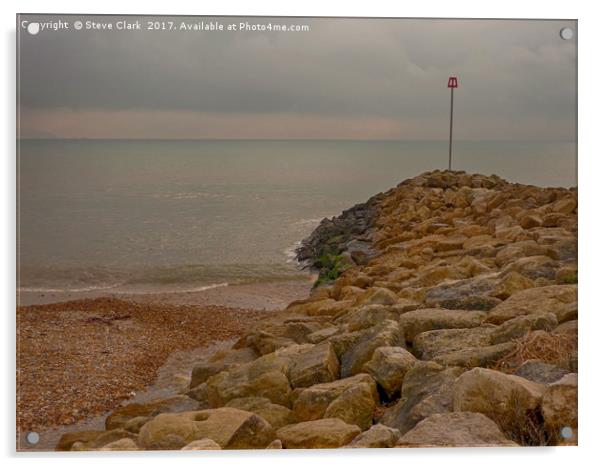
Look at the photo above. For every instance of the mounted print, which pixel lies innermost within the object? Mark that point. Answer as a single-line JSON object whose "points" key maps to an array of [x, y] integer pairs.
{"points": [[292, 233]]}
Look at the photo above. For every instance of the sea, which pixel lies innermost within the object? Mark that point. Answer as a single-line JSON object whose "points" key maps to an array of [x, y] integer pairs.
{"points": [[154, 216]]}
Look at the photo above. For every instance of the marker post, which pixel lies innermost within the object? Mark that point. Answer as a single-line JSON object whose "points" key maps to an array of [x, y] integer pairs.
{"points": [[452, 83]]}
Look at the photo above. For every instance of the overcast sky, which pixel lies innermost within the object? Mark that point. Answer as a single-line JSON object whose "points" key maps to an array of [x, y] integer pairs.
{"points": [[344, 78]]}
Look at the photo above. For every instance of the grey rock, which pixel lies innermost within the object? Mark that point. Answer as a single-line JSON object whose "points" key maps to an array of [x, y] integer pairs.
{"points": [[540, 372]]}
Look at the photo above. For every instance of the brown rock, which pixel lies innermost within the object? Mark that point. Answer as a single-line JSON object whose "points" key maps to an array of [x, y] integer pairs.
{"points": [[475, 357], [556, 299], [378, 436], [318, 365], [323, 433], [313, 402], [511, 283], [422, 320], [277, 415], [121, 415], [518, 250], [501, 397], [428, 345], [124, 444], [202, 444], [566, 275], [533, 267], [426, 390], [455, 430], [521, 325], [387, 333], [264, 377], [388, 366], [68, 439], [531, 221], [354, 406], [110, 436], [321, 335], [230, 428], [370, 315], [450, 244], [565, 206], [377, 295], [322, 307]]}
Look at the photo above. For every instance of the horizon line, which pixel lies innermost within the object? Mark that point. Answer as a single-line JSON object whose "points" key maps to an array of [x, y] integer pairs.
{"points": [[290, 139]]}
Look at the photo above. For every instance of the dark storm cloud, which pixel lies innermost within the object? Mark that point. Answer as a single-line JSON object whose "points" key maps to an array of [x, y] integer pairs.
{"points": [[395, 69]]}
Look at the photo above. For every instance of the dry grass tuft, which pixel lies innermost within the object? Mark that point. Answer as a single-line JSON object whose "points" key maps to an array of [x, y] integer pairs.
{"points": [[544, 346], [522, 425]]}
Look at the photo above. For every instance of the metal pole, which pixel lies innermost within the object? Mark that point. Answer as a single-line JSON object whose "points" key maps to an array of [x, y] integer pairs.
{"points": [[451, 126]]}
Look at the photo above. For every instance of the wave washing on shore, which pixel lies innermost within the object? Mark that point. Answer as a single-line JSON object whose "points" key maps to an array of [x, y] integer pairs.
{"points": [[182, 279]]}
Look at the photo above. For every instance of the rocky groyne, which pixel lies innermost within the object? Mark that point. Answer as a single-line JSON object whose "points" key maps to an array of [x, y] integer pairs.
{"points": [[455, 326]]}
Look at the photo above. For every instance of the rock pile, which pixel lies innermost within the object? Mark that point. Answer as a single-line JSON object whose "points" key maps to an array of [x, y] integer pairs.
{"points": [[459, 330]]}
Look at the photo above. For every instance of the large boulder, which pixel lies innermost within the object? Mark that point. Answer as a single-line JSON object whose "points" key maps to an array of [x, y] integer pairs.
{"points": [[354, 406], [423, 320], [230, 428], [533, 267], [521, 325], [370, 315], [312, 402], [264, 377], [518, 250], [378, 436], [323, 433], [477, 356], [360, 352], [318, 365], [455, 430], [426, 390], [220, 361], [388, 366], [502, 397], [321, 335], [511, 283], [470, 294], [433, 343], [277, 415], [555, 298]]}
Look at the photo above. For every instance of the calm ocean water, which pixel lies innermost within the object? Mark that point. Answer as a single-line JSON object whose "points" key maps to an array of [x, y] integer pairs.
{"points": [[183, 215]]}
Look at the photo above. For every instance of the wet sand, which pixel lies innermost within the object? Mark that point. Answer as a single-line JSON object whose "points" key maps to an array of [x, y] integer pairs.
{"points": [[79, 359], [261, 296]]}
